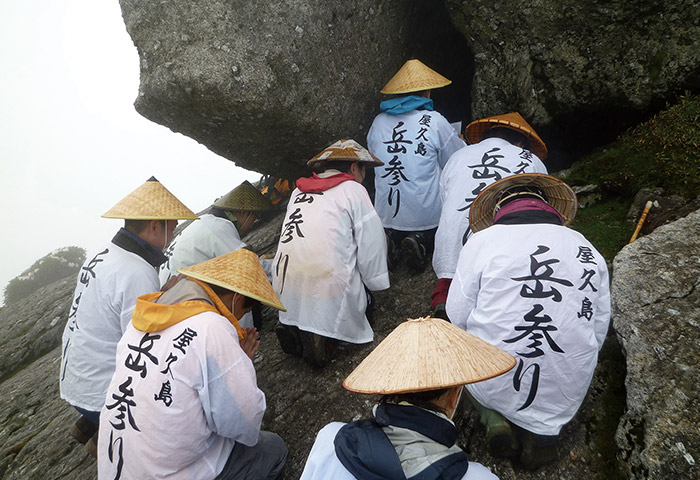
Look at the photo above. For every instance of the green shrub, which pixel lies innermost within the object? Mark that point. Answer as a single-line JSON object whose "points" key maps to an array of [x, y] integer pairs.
{"points": [[54, 266]]}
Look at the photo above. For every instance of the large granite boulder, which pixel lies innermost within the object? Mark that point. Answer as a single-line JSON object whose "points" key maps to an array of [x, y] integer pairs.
{"points": [[270, 84], [580, 70], [656, 313]]}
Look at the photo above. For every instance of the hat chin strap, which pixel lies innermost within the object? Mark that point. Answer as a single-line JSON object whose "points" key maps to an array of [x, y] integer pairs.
{"points": [[516, 194]]}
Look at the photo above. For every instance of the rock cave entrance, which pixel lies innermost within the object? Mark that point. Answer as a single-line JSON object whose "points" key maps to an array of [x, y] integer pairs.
{"points": [[440, 46]]}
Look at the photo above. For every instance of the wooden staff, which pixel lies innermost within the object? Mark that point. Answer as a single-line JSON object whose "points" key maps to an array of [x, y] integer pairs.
{"points": [[647, 207]]}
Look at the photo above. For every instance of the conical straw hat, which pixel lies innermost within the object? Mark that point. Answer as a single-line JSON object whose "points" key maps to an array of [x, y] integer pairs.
{"points": [[244, 197], [559, 195], [151, 201], [238, 271], [427, 354], [414, 76], [474, 132], [346, 151]]}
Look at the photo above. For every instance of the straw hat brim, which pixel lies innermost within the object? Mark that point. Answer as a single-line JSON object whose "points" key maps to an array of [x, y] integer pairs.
{"points": [[427, 354], [244, 197], [474, 132], [238, 271], [151, 201], [345, 151], [414, 76], [559, 195]]}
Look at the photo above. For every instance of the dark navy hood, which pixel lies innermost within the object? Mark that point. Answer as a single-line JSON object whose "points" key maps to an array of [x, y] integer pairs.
{"points": [[367, 453]]}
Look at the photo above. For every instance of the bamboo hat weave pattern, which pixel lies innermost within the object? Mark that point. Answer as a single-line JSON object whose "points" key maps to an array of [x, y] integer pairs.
{"points": [[151, 201], [244, 197], [474, 132], [414, 76], [559, 195], [427, 354], [345, 151], [238, 271]]}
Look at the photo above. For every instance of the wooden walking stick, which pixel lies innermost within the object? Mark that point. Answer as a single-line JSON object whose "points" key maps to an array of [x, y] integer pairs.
{"points": [[647, 207]]}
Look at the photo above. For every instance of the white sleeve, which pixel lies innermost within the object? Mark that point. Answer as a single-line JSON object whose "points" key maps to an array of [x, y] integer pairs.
{"points": [[449, 142], [371, 246], [464, 289], [477, 471], [232, 402], [130, 289], [322, 462]]}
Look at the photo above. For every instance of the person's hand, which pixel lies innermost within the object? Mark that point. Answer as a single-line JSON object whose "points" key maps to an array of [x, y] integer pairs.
{"points": [[250, 342], [171, 282]]}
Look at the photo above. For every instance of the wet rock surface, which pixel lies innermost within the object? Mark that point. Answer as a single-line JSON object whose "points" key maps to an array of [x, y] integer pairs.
{"points": [[656, 313]]}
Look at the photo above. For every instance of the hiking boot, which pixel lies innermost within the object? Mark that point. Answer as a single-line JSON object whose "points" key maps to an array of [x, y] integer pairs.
{"points": [[501, 438], [502, 441], [316, 349], [83, 429], [393, 255], [414, 251], [91, 446], [440, 312], [537, 450], [289, 339]]}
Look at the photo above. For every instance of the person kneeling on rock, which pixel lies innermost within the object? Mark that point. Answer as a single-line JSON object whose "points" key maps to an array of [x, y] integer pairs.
{"points": [[529, 285], [331, 254], [184, 402], [419, 369]]}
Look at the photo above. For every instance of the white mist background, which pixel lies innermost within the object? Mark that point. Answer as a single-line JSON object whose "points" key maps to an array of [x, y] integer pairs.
{"points": [[71, 143]]}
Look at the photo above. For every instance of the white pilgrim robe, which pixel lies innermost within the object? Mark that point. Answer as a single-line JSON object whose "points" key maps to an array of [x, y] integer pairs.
{"points": [[323, 463], [188, 418], [468, 172], [109, 282], [203, 239], [414, 147], [540, 292], [332, 244]]}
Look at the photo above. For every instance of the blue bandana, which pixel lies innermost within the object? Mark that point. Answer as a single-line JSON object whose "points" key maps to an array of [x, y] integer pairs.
{"points": [[397, 106]]}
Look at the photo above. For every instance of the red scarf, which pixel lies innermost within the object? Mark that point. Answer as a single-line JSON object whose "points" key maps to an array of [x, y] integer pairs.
{"points": [[316, 184]]}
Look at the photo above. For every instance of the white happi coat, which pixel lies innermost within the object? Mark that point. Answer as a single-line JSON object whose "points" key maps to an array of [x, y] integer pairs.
{"points": [[414, 147], [540, 292], [108, 285], [332, 244], [181, 424], [468, 172], [203, 239], [323, 463]]}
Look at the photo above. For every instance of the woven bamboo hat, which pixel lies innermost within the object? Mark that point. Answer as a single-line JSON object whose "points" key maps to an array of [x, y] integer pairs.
{"points": [[238, 271], [244, 197], [427, 354], [559, 195], [414, 76], [346, 151], [474, 132], [151, 201]]}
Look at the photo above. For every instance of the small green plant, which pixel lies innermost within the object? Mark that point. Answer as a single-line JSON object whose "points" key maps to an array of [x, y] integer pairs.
{"points": [[662, 152]]}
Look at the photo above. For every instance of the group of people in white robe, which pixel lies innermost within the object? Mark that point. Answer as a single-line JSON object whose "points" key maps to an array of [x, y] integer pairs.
{"points": [[163, 375]]}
